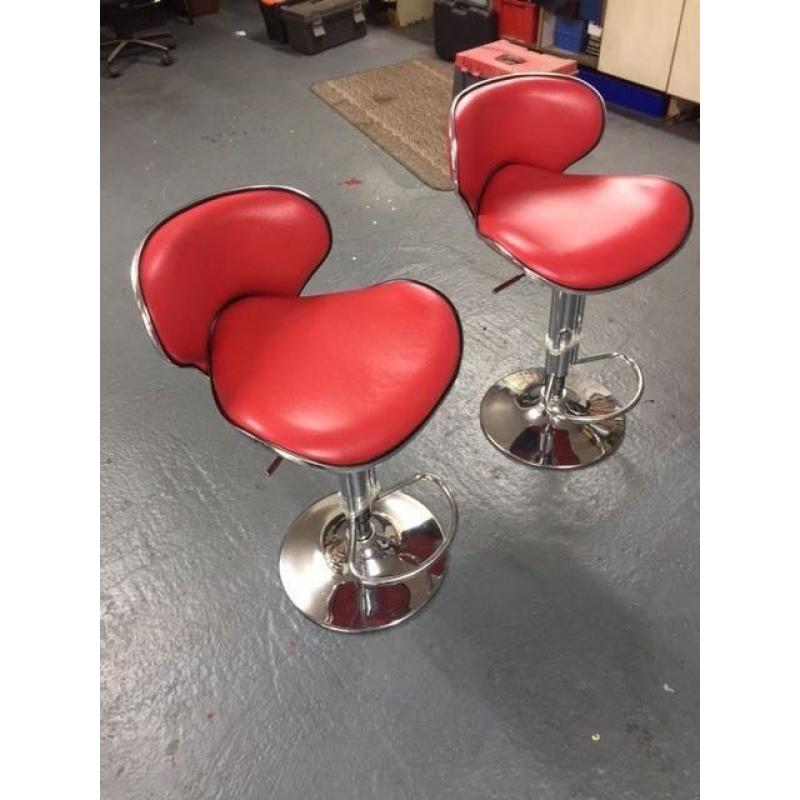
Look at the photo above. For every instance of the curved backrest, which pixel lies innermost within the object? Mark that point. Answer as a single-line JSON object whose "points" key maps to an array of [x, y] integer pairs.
{"points": [[254, 241], [544, 119]]}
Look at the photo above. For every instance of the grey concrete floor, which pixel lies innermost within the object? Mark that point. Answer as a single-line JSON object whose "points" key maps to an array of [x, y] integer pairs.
{"points": [[571, 604]]}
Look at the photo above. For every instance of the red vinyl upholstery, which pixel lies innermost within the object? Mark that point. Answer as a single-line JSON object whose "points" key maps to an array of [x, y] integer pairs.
{"points": [[549, 121], [584, 232], [512, 139], [337, 379], [249, 242]]}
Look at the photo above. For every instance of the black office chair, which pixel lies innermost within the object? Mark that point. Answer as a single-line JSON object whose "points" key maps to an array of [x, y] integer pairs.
{"points": [[135, 22]]}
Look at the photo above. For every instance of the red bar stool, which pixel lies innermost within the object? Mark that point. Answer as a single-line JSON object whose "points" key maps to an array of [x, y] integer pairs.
{"points": [[511, 138], [339, 381]]}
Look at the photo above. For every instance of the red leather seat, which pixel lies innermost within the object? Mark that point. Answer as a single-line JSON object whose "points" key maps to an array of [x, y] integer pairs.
{"points": [[584, 232], [337, 379], [511, 140]]}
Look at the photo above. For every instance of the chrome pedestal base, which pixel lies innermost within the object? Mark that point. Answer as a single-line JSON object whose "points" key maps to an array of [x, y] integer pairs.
{"points": [[315, 574], [514, 421]]}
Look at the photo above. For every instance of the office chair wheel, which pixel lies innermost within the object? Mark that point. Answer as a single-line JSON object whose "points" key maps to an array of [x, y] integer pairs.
{"points": [[114, 72], [167, 60]]}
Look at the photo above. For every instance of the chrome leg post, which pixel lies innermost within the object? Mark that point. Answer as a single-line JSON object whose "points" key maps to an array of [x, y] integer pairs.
{"points": [[581, 307], [563, 338], [548, 417], [358, 491]]}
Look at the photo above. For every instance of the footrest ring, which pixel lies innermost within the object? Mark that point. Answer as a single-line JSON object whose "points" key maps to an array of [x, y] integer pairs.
{"points": [[426, 564], [588, 419]]}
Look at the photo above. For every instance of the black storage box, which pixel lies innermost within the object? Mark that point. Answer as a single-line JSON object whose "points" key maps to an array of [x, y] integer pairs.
{"points": [[316, 25], [276, 27], [459, 26], [463, 79]]}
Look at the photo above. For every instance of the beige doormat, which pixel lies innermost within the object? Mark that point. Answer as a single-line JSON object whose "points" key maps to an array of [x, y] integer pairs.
{"points": [[403, 108]]}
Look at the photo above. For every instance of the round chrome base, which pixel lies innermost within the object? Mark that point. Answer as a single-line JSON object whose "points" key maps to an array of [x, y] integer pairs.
{"points": [[315, 575], [514, 421]]}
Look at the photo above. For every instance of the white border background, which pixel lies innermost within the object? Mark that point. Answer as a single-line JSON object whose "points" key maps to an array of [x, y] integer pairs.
{"points": [[750, 438], [750, 434], [49, 285]]}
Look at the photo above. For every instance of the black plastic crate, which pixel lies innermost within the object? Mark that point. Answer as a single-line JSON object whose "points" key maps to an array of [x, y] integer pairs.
{"points": [[276, 27], [461, 26]]}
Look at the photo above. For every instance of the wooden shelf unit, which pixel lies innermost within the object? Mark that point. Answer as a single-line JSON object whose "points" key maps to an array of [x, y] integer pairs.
{"points": [[654, 44]]}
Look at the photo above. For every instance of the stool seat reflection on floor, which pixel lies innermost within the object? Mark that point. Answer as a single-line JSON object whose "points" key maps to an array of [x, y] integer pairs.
{"points": [[339, 381]]}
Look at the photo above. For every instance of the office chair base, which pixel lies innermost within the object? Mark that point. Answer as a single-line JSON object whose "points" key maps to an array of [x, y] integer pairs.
{"points": [[143, 40], [315, 574], [515, 422]]}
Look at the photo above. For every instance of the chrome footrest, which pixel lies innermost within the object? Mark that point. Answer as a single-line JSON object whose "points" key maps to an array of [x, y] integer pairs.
{"points": [[447, 536], [558, 414]]}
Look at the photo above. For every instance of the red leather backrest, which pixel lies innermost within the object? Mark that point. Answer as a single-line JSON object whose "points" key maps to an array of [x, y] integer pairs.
{"points": [[261, 241], [545, 120]]}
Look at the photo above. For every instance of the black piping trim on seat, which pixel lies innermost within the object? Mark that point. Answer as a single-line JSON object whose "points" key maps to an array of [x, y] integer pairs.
{"points": [[384, 456], [208, 199]]}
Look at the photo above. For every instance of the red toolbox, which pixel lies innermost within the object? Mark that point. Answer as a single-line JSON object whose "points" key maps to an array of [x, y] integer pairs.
{"points": [[517, 20], [504, 58]]}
